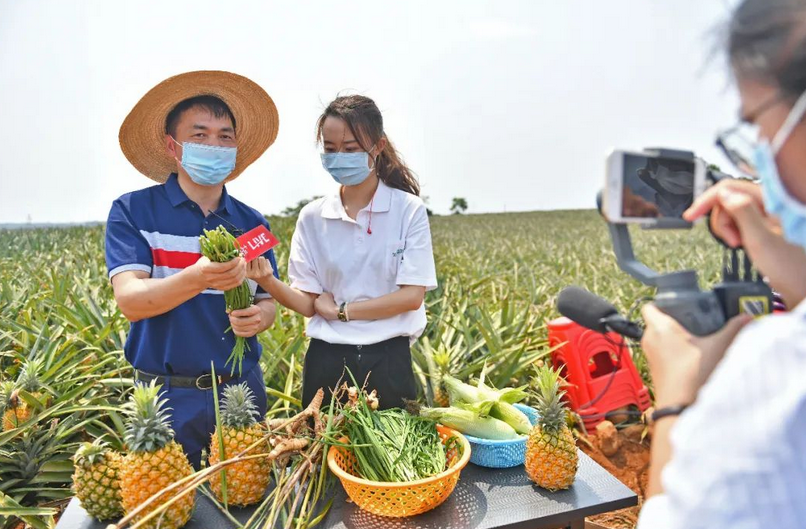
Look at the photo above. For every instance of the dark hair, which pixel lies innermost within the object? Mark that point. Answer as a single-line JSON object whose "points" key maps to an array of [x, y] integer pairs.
{"points": [[767, 43], [212, 104], [362, 116]]}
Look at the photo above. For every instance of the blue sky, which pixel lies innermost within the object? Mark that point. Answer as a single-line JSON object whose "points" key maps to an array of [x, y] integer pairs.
{"points": [[510, 104]]}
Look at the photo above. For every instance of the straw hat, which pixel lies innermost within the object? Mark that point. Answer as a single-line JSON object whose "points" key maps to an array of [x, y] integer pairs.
{"points": [[142, 135]]}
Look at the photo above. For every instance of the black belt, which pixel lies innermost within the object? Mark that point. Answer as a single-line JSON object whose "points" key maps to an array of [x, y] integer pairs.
{"points": [[203, 382]]}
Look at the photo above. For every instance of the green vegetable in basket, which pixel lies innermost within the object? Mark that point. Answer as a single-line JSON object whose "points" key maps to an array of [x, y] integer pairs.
{"points": [[392, 445], [220, 246]]}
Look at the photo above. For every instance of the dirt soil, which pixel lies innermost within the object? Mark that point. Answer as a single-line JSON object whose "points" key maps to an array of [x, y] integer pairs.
{"points": [[630, 464]]}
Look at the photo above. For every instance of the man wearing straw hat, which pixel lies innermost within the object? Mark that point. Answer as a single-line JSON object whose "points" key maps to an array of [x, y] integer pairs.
{"points": [[191, 133]]}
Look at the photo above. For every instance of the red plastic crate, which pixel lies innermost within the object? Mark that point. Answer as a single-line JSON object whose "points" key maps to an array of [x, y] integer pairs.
{"points": [[587, 361]]}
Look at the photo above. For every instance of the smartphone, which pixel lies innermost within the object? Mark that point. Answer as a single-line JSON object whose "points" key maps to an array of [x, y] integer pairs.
{"points": [[651, 189]]}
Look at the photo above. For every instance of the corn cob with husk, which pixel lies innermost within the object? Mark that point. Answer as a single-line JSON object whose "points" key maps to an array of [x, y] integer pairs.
{"points": [[470, 422], [498, 402], [220, 246]]}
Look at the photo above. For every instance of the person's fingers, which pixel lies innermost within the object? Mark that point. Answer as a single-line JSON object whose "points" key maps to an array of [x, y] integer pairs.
{"points": [[703, 204], [227, 283], [246, 313], [245, 333], [732, 328], [244, 323], [656, 319], [749, 219], [723, 225], [710, 198], [221, 268]]}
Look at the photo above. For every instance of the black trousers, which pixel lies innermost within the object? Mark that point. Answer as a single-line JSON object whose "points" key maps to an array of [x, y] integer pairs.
{"points": [[387, 365]]}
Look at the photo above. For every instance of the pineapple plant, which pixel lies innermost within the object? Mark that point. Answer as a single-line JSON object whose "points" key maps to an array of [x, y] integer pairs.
{"points": [[154, 460], [246, 480], [16, 410], [95, 480], [551, 454]]}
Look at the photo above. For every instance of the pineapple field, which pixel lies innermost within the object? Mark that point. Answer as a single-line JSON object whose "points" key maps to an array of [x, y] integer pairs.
{"points": [[64, 381]]}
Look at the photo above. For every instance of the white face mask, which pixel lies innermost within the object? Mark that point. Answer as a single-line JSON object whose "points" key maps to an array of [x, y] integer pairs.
{"points": [[207, 165], [777, 200]]}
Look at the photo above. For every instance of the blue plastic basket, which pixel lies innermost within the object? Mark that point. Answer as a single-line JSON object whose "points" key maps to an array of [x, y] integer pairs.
{"points": [[501, 454]]}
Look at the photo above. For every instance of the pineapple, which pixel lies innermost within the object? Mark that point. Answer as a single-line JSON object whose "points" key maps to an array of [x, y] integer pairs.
{"points": [[154, 461], [551, 455], [16, 410], [6, 394], [441, 398], [247, 480], [96, 482]]}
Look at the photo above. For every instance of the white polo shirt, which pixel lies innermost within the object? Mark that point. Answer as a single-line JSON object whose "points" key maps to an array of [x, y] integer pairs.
{"points": [[330, 252]]}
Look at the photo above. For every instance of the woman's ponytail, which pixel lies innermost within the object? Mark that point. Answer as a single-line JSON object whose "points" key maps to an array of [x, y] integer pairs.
{"points": [[394, 172]]}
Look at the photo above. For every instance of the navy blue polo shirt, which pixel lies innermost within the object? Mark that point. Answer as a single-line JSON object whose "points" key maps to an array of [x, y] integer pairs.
{"points": [[157, 230]]}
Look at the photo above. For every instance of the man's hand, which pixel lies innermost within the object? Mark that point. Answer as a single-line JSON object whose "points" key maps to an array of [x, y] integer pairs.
{"points": [[325, 306], [220, 276], [259, 268], [679, 362], [246, 322]]}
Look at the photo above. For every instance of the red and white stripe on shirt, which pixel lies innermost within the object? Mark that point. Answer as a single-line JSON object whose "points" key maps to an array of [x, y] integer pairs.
{"points": [[173, 253]]}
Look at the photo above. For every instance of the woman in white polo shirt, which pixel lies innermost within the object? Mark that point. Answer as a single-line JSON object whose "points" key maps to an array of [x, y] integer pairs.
{"points": [[360, 260]]}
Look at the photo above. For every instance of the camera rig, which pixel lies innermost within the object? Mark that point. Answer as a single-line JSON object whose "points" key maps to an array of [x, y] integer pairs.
{"points": [[679, 295]]}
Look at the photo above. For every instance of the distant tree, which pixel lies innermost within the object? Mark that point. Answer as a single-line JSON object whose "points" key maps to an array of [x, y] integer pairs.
{"points": [[426, 200], [293, 211], [458, 206]]}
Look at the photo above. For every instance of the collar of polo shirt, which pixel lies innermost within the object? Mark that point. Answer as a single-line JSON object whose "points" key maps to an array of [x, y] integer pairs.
{"points": [[381, 201], [177, 196]]}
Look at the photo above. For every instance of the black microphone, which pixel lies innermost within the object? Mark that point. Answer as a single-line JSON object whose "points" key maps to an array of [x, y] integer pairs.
{"points": [[595, 313]]}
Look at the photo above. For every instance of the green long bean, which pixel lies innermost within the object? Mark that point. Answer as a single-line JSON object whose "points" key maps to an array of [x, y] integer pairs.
{"points": [[394, 446], [220, 246]]}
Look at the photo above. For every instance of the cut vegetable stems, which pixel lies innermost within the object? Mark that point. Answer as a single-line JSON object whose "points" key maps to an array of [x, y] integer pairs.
{"points": [[220, 246]]}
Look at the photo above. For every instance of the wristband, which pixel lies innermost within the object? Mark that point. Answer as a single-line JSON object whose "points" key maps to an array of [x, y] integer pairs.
{"points": [[668, 411]]}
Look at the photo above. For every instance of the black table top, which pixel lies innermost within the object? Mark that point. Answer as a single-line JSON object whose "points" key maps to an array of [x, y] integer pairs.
{"points": [[483, 499]]}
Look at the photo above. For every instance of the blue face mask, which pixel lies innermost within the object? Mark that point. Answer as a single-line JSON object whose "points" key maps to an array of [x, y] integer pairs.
{"points": [[207, 165], [777, 200], [347, 168]]}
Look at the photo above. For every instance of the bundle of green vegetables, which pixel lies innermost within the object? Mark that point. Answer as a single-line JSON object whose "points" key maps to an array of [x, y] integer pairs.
{"points": [[220, 246], [392, 445], [482, 411]]}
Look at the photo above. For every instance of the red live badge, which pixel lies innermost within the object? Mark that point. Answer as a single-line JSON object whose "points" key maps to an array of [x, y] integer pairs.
{"points": [[256, 242]]}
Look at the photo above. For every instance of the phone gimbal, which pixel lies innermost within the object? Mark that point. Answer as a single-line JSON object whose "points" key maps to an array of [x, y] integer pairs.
{"points": [[678, 293]]}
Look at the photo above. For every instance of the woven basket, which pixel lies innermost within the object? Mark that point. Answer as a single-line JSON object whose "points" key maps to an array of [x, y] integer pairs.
{"points": [[501, 454], [400, 499]]}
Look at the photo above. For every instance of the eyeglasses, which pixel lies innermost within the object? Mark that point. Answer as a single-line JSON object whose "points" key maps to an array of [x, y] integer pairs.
{"points": [[739, 142]]}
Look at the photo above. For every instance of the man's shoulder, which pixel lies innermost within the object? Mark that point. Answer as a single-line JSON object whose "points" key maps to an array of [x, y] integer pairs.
{"points": [[146, 193], [247, 211]]}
